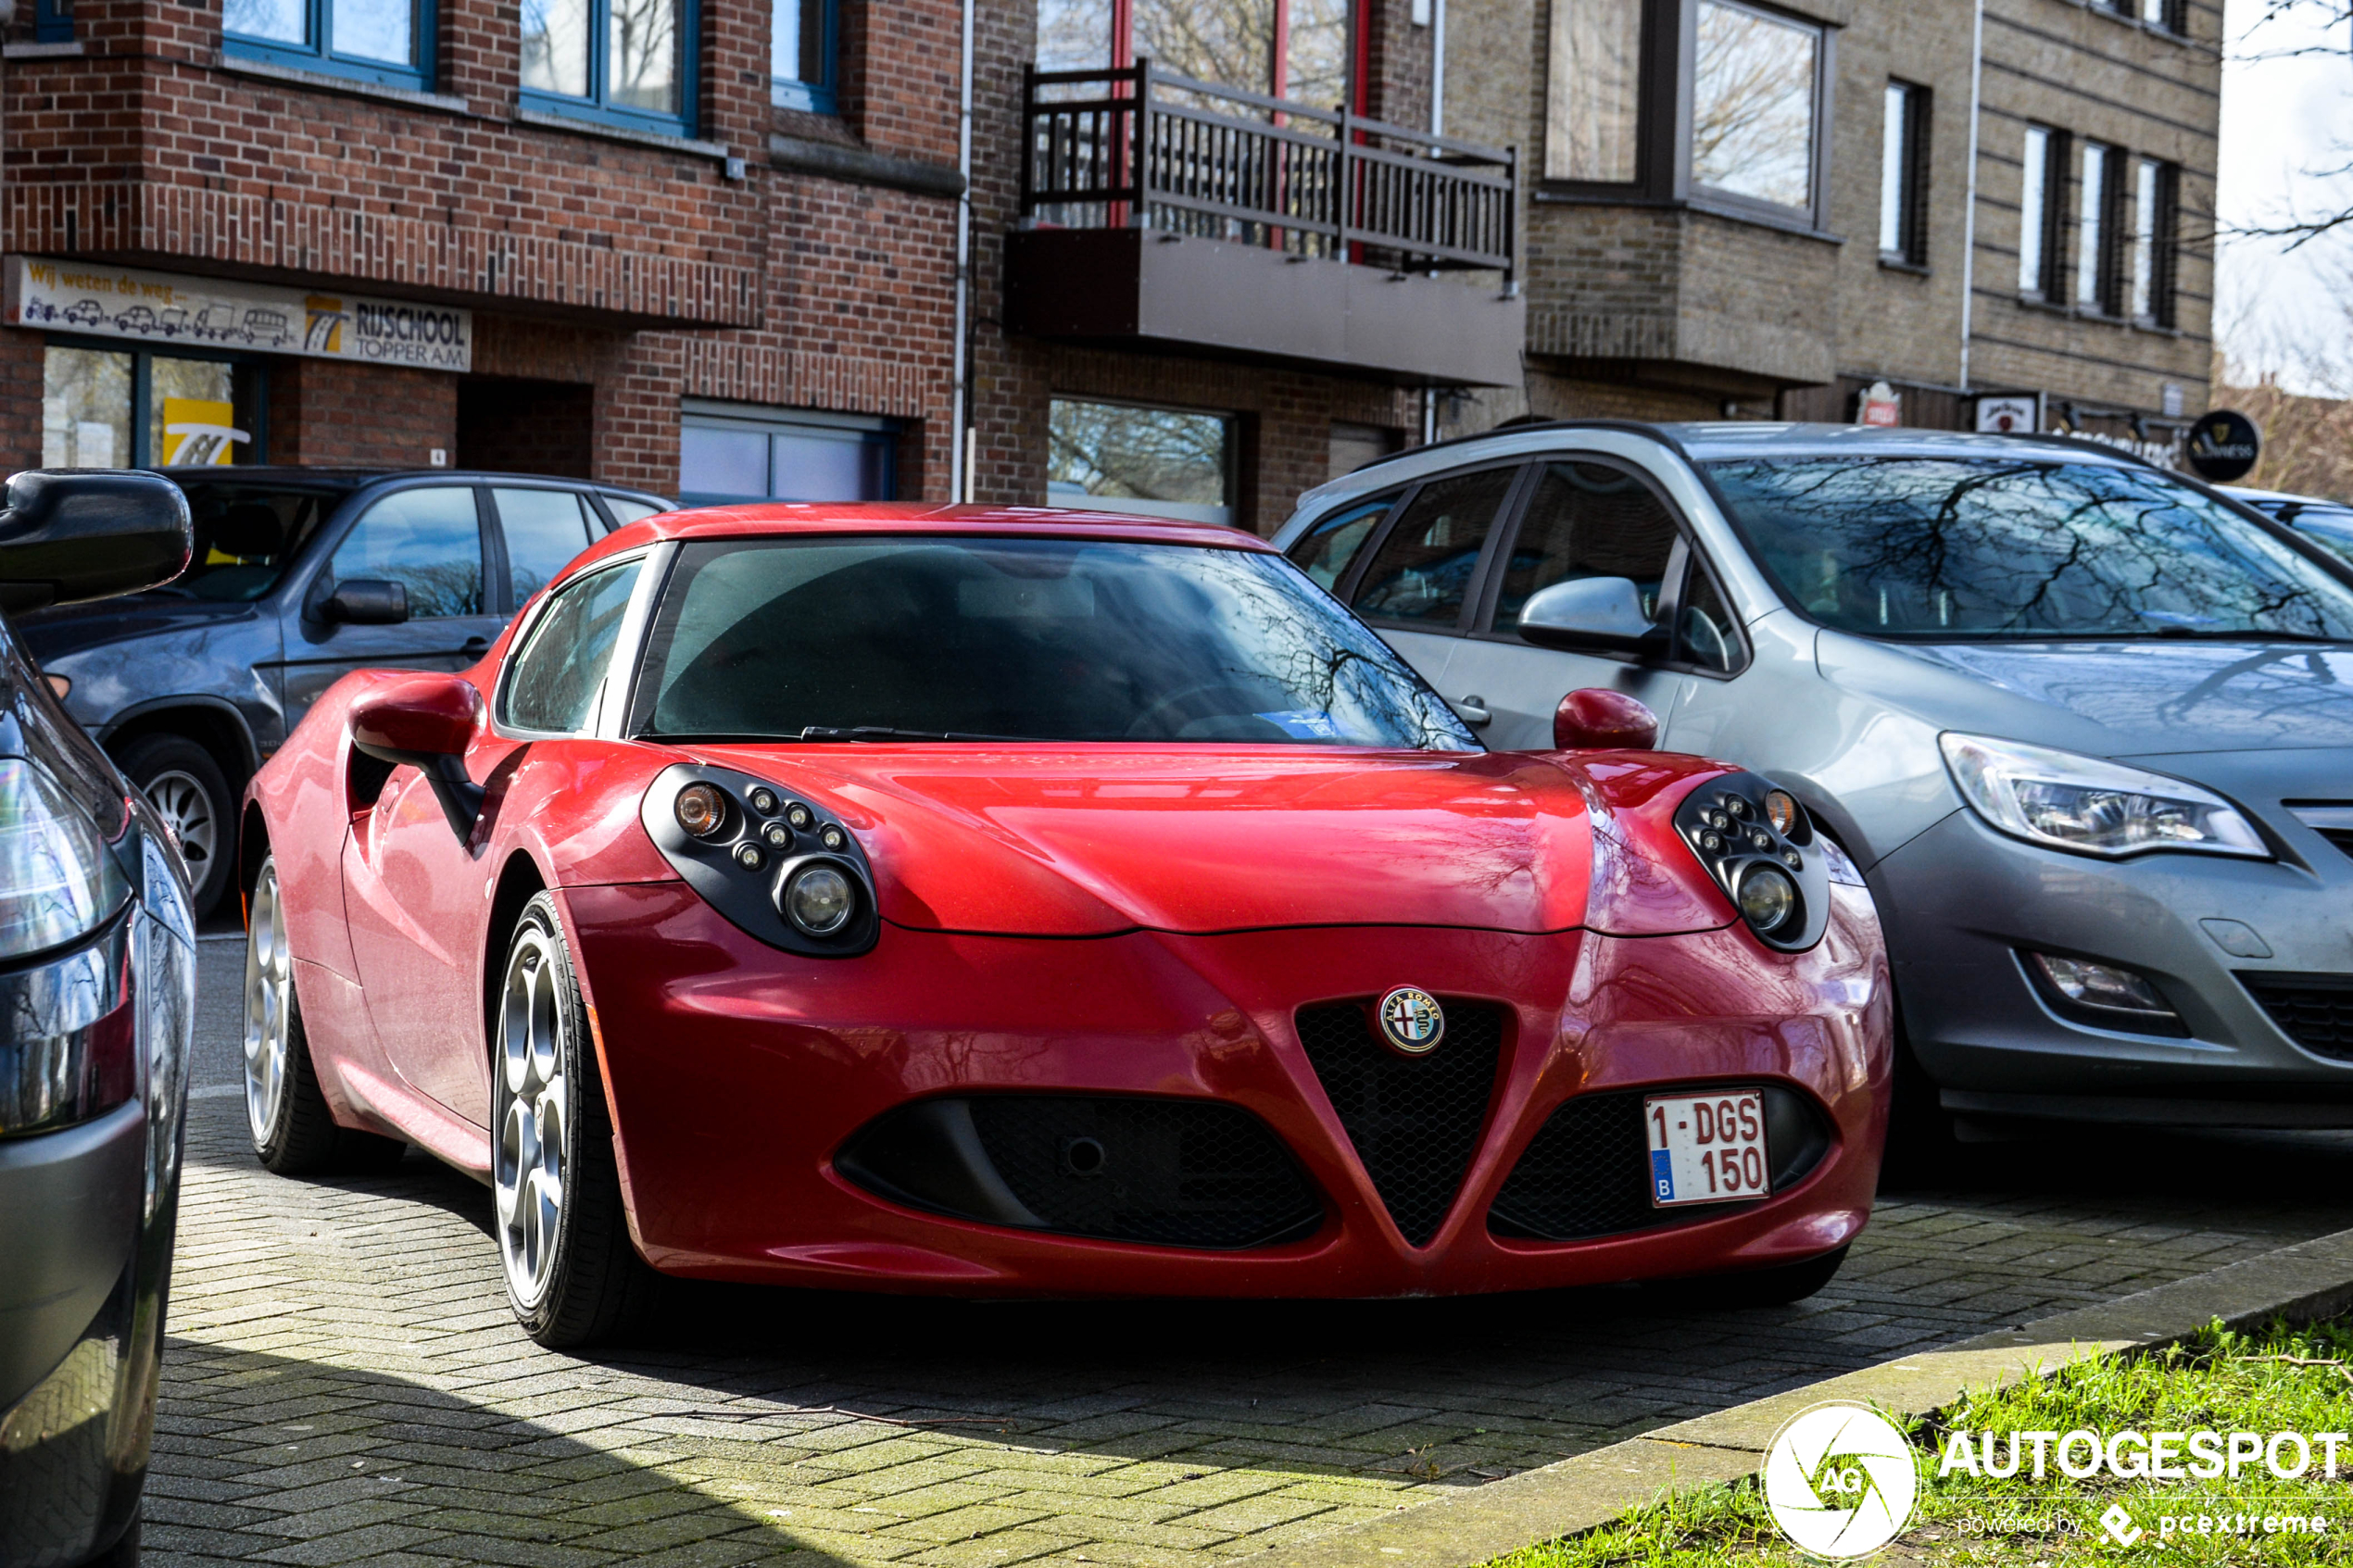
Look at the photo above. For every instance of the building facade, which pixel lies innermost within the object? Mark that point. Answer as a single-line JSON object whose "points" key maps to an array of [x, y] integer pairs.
{"points": [[1998, 209], [1183, 256]]}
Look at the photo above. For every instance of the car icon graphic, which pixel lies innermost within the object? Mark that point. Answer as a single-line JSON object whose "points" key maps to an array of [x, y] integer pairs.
{"points": [[138, 318], [84, 313]]}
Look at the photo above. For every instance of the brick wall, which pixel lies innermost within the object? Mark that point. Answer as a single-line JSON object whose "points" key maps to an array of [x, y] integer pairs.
{"points": [[328, 412]]}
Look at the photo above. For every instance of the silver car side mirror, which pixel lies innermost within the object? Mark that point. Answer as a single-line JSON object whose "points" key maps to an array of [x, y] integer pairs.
{"points": [[1591, 613]]}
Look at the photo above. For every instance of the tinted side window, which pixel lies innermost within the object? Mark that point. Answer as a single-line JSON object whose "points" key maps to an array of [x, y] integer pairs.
{"points": [[1708, 636], [1325, 550], [1424, 567], [1586, 520], [544, 530], [428, 541], [552, 682]]}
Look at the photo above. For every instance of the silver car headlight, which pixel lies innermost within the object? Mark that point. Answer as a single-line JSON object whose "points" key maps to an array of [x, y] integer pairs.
{"points": [[57, 880], [2090, 805]]}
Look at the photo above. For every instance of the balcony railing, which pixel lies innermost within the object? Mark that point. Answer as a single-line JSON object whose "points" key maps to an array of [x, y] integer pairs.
{"points": [[1139, 146]]}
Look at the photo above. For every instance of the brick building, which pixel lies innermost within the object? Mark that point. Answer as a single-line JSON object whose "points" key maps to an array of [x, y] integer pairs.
{"points": [[582, 241], [1211, 250], [1765, 210]]}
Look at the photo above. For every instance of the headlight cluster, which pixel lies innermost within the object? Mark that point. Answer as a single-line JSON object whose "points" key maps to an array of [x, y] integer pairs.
{"points": [[57, 880], [2089, 804], [1758, 844], [776, 865]]}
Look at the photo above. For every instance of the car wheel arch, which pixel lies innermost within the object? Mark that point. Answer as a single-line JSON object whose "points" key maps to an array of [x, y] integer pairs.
{"points": [[210, 722], [519, 879]]}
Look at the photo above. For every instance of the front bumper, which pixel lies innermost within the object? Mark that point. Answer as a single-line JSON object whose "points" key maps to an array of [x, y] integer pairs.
{"points": [[736, 1076], [1963, 903]]}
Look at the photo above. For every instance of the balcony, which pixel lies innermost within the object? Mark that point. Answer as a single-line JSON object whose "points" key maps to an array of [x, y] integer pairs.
{"points": [[1160, 212]]}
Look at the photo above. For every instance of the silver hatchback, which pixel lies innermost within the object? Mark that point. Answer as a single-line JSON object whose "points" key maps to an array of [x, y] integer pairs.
{"points": [[2087, 728]]}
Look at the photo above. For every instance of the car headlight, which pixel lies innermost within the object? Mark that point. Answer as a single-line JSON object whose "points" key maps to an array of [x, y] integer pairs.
{"points": [[1761, 847], [164, 958], [2089, 804], [57, 880], [778, 865]]}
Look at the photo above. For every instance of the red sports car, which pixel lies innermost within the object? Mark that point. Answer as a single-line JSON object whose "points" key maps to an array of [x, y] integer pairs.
{"points": [[1042, 902]]}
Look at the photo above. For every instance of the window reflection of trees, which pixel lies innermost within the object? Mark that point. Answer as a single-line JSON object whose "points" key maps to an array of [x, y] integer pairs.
{"points": [[644, 46], [2019, 548], [1133, 642], [1753, 105], [1116, 450]]}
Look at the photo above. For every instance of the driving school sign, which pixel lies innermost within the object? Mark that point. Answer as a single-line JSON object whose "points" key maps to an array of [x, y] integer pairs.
{"points": [[165, 310]]}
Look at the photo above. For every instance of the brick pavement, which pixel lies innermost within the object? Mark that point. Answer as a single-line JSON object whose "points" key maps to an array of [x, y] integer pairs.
{"points": [[345, 1384]]}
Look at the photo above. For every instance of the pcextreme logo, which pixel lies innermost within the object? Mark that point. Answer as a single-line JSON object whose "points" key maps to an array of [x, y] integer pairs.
{"points": [[1839, 1480]]}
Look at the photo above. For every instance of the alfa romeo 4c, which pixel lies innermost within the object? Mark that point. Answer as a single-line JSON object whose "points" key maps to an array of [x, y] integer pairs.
{"points": [[1024, 902]]}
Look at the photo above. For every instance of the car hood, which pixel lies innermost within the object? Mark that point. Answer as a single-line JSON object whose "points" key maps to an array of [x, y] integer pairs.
{"points": [[1092, 840], [50, 634], [2115, 699]]}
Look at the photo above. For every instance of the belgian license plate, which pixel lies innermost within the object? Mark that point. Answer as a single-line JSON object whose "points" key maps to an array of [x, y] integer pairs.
{"points": [[1707, 1149]]}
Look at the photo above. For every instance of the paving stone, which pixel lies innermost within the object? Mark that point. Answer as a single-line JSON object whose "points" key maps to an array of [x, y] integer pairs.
{"points": [[319, 1322]]}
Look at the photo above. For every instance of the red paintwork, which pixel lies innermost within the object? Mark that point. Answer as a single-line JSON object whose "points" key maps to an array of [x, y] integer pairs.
{"points": [[1597, 718], [429, 715], [1119, 917]]}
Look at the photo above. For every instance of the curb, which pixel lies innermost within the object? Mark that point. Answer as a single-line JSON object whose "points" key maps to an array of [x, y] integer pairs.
{"points": [[2311, 1279]]}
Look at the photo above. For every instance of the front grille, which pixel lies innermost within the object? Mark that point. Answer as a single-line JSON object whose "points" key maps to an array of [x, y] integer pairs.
{"points": [[2315, 1011], [1415, 1120], [1587, 1171]]}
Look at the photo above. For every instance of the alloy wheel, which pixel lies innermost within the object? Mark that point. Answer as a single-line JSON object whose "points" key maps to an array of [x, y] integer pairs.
{"points": [[268, 1006], [528, 1165], [179, 798]]}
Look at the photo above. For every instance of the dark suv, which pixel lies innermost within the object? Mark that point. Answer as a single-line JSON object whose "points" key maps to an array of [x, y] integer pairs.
{"points": [[299, 575]]}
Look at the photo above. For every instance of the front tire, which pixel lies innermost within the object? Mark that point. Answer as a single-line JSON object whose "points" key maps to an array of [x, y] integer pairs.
{"points": [[573, 1277], [293, 1133], [189, 791]]}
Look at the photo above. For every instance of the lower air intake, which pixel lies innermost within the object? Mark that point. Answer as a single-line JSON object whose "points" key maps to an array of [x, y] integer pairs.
{"points": [[1173, 1172], [1587, 1171], [1415, 1120], [2315, 1011]]}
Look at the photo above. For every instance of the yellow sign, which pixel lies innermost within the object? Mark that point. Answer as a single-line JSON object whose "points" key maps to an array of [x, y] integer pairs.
{"points": [[198, 431]]}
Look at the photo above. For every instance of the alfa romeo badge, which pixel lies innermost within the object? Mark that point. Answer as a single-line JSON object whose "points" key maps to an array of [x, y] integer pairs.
{"points": [[1411, 1020]]}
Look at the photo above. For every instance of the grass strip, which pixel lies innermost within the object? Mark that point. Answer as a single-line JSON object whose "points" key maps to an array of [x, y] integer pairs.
{"points": [[2280, 1379]]}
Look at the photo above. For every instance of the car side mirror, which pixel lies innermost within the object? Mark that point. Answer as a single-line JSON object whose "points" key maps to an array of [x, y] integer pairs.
{"points": [[367, 601], [1588, 613], [426, 723], [1597, 718], [89, 535]]}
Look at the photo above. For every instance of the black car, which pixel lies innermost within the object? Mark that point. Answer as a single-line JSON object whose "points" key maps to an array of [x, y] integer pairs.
{"points": [[97, 1002], [299, 575]]}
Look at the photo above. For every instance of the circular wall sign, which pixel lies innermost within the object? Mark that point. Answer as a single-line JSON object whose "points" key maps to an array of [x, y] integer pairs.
{"points": [[2223, 446]]}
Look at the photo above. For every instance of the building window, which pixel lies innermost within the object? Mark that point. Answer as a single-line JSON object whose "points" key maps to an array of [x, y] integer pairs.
{"points": [[2041, 211], [1902, 192], [2156, 205], [623, 61], [728, 451], [1295, 49], [2096, 199], [386, 41], [53, 21], [801, 51], [1592, 103], [111, 409], [1124, 457], [1757, 83]]}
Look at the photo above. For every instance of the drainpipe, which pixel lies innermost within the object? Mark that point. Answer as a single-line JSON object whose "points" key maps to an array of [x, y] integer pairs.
{"points": [[1437, 68], [1968, 218], [960, 477]]}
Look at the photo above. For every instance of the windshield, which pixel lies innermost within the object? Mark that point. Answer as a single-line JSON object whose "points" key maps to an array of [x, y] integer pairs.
{"points": [[1941, 548], [247, 534], [1032, 639]]}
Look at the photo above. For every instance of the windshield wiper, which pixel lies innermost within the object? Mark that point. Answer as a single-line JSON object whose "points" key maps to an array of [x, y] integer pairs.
{"points": [[890, 731], [2246, 634]]}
